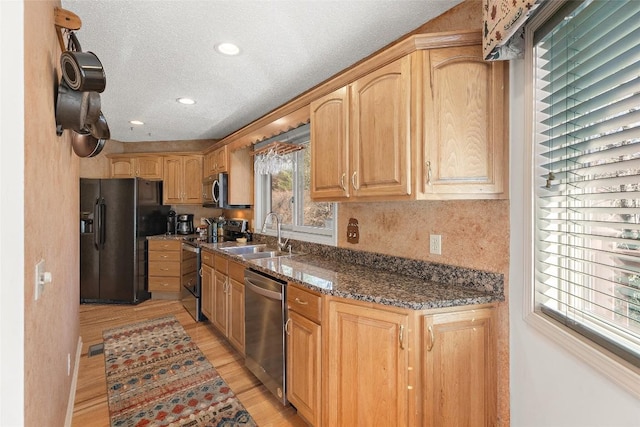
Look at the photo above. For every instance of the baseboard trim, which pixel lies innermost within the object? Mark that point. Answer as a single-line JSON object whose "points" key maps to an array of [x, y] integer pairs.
{"points": [[74, 384]]}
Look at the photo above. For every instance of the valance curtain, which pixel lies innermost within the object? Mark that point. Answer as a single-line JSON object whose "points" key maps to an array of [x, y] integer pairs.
{"points": [[503, 32]]}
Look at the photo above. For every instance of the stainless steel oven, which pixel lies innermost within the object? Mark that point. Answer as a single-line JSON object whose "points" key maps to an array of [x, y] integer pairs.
{"points": [[265, 344], [190, 281]]}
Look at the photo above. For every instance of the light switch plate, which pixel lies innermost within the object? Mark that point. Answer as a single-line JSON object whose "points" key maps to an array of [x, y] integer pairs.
{"points": [[39, 284]]}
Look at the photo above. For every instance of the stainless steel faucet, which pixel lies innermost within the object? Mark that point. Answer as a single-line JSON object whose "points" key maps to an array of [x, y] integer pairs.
{"points": [[281, 245]]}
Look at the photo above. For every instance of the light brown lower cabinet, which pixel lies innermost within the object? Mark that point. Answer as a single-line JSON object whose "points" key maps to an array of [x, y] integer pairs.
{"points": [[366, 365], [354, 363], [304, 356], [223, 297], [459, 382]]}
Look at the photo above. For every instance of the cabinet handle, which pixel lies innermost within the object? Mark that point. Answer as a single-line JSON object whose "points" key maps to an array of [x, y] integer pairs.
{"points": [[342, 177], [200, 272], [402, 337], [286, 326], [299, 301], [353, 180], [164, 269], [431, 339], [428, 164]]}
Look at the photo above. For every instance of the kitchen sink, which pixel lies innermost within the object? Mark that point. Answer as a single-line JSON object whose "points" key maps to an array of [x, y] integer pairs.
{"points": [[255, 251], [244, 250]]}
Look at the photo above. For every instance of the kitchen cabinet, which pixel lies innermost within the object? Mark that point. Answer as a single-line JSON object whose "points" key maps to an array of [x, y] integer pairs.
{"points": [[240, 183], [465, 124], [366, 378], [304, 353], [459, 368], [207, 273], [215, 162], [132, 166], [228, 301], [164, 268], [430, 125], [182, 179], [360, 137]]}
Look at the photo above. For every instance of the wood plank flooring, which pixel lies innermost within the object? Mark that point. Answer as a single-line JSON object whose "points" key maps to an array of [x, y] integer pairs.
{"points": [[90, 407]]}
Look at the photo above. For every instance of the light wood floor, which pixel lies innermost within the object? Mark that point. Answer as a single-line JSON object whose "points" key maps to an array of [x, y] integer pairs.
{"points": [[91, 410]]}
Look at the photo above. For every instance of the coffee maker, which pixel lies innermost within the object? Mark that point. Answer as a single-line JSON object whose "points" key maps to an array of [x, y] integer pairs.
{"points": [[184, 224]]}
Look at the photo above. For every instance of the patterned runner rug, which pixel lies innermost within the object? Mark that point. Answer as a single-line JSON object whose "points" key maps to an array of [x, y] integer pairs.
{"points": [[157, 377]]}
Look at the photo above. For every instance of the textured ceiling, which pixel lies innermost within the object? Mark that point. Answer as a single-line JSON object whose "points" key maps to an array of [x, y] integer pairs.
{"points": [[154, 52]]}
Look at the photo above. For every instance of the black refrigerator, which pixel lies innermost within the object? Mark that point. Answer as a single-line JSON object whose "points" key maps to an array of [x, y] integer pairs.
{"points": [[116, 215]]}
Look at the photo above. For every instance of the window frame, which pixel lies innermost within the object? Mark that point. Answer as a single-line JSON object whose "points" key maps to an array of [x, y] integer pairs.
{"points": [[617, 369], [262, 186]]}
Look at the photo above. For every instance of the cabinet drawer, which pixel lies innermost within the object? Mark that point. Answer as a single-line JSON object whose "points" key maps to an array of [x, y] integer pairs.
{"points": [[165, 245], [164, 256], [164, 284], [221, 264], [236, 271], [164, 268], [207, 258], [304, 302]]}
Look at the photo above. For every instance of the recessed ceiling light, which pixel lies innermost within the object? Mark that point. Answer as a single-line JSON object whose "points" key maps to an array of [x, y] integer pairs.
{"points": [[186, 101], [136, 122], [228, 49]]}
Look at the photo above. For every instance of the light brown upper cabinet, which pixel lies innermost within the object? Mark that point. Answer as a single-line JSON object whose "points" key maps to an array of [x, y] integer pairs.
{"points": [[215, 162], [182, 180], [360, 140], [430, 125], [465, 124], [132, 166]]}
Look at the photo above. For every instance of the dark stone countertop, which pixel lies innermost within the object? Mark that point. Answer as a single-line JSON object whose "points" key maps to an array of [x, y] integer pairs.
{"points": [[383, 285]]}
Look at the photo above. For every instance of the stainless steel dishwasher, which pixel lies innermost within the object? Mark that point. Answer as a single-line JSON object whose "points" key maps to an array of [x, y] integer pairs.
{"points": [[265, 345]]}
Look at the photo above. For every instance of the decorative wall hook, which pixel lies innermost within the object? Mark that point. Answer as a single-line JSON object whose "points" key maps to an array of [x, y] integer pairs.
{"points": [[64, 19]]}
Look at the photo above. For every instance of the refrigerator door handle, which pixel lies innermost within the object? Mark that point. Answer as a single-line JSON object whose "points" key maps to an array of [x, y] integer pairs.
{"points": [[98, 224], [103, 228]]}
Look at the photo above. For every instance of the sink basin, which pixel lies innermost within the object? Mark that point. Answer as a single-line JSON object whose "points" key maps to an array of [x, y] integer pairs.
{"points": [[242, 250], [255, 251]]}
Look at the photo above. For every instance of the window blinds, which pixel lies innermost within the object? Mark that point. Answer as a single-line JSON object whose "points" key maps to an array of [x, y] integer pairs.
{"points": [[587, 173]]}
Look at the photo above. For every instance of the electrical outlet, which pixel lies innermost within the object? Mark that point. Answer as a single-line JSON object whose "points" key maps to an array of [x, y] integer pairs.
{"points": [[435, 244]]}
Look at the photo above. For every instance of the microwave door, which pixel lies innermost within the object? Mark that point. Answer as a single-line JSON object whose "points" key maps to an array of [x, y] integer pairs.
{"points": [[215, 192]]}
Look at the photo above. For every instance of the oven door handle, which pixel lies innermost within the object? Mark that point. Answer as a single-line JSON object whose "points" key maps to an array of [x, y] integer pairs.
{"points": [[261, 291]]}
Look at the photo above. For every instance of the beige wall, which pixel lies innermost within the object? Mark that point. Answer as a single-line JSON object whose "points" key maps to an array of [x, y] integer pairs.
{"points": [[51, 326]]}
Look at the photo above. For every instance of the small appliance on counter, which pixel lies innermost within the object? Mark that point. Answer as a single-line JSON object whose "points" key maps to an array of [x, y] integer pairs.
{"points": [[184, 224], [171, 222], [233, 229]]}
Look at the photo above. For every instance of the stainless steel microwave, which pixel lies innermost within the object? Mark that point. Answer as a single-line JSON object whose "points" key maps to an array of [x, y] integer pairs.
{"points": [[215, 191]]}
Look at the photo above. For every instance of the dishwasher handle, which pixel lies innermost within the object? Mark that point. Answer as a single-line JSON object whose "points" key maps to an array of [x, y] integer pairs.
{"points": [[261, 291]]}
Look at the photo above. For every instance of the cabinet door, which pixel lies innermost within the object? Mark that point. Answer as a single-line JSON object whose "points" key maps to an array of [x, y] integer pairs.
{"points": [[303, 367], [240, 169], [367, 369], [221, 156], [460, 374], [207, 290], [149, 167], [329, 146], [236, 314], [219, 315], [192, 180], [172, 182], [380, 131], [122, 168], [465, 123]]}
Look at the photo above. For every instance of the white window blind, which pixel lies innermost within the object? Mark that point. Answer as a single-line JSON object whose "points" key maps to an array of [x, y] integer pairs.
{"points": [[587, 176]]}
